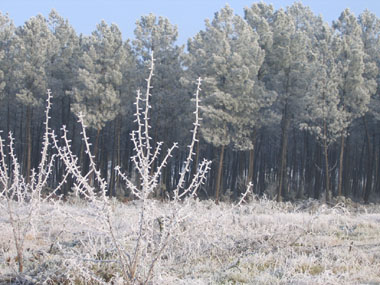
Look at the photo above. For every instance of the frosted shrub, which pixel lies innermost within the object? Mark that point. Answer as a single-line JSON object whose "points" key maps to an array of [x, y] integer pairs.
{"points": [[134, 257], [20, 201]]}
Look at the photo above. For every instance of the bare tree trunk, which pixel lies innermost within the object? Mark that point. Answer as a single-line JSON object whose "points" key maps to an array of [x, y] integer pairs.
{"points": [[118, 150], [368, 186], [326, 154], [7, 134], [317, 175], [347, 170], [341, 157], [8, 117], [235, 173], [251, 164], [284, 148], [103, 156], [219, 175], [96, 147], [377, 178], [304, 167], [20, 260], [28, 136], [226, 173], [113, 158], [262, 170]]}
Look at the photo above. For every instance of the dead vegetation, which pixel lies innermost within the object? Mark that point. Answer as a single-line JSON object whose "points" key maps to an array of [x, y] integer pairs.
{"points": [[262, 242]]}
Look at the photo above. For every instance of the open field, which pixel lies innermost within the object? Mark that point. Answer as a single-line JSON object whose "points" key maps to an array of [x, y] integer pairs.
{"points": [[261, 242]]}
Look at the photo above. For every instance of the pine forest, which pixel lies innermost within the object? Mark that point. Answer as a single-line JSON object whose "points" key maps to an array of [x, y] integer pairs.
{"points": [[262, 124]]}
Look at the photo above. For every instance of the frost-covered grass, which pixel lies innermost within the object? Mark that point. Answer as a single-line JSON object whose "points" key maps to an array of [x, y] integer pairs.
{"points": [[261, 242]]}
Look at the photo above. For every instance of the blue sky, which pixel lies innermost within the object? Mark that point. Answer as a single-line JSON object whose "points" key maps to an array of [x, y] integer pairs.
{"points": [[188, 15]]}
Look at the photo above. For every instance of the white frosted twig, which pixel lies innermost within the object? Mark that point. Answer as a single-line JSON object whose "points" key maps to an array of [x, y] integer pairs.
{"points": [[198, 179], [202, 171], [147, 107], [245, 194], [129, 184], [156, 175]]}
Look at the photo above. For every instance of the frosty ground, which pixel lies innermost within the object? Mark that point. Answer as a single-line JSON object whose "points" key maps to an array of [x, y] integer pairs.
{"points": [[261, 242]]}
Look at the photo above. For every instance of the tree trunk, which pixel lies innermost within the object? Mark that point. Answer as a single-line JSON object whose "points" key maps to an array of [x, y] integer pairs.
{"points": [[357, 172], [251, 164], [118, 151], [7, 134], [234, 175], [28, 136], [295, 171], [21, 150], [20, 260], [226, 173], [262, 170], [304, 167], [113, 158], [340, 174], [368, 186], [219, 175], [377, 178], [96, 148], [211, 182], [103, 157], [347, 169], [241, 165], [36, 144], [318, 176], [326, 154], [285, 122]]}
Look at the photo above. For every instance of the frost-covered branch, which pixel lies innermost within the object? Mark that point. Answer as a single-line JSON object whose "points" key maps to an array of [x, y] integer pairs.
{"points": [[199, 176]]}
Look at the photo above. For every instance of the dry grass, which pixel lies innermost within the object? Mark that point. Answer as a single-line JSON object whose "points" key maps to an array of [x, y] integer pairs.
{"points": [[258, 243]]}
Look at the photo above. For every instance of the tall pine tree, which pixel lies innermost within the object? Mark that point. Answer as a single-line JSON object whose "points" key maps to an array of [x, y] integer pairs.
{"points": [[34, 47], [228, 57], [354, 88]]}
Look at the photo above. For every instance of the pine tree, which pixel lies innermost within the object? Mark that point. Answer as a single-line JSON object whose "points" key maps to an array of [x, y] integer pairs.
{"points": [[129, 70], [228, 57], [97, 93], [7, 53], [370, 26], [34, 48], [63, 63], [62, 77], [323, 114], [5, 36], [170, 102], [260, 17], [158, 35], [354, 88], [287, 73]]}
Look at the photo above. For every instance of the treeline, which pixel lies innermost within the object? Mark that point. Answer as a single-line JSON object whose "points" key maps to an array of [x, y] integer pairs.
{"points": [[289, 102]]}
